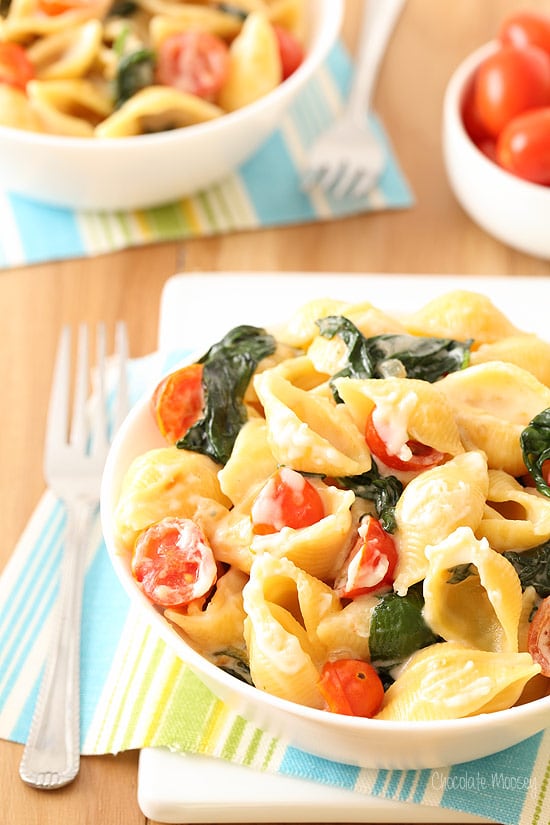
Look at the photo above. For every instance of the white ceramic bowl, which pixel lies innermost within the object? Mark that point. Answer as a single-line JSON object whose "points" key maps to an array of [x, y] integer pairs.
{"points": [[514, 211], [147, 170], [364, 742]]}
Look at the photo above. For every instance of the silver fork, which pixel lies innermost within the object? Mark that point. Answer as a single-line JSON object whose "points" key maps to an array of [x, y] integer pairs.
{"points": [[72, 469], [348, 159]]}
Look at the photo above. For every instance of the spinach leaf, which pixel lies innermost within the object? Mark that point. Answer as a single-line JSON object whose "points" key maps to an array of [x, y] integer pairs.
{"points": [[426, 358], [535, 446], [233, 10], [123, 8], [533, 567], [136, 70], [461, 572], [383, 491], [234, 662], [398, 628], [228, 367]]}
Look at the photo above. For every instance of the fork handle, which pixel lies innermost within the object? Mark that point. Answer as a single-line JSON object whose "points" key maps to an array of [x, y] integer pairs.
{"points": [[379, 19], [51, 757]]}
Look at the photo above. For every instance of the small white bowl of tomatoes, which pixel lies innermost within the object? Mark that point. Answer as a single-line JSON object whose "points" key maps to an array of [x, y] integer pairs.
{"points": [[496, 134]]}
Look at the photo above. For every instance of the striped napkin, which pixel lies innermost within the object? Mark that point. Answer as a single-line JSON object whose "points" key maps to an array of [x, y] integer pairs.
{"points": [[136, 693], [249, 199]]}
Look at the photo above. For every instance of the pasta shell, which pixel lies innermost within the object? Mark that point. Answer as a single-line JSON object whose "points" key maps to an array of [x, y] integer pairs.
{"points": [[68, 53], [25, 21], [156, 109], [472, 594], [308, 432], [529, 352], [250, 463], [345, 634], [164, 482], [69, 107], [16, 111], [403, 409], [515, 518], [255, 66], [219, 625], [432, 506], [320, 548], [461, 314], [173, 18], [284, 607], [300, 328], [450, 681], [301, 373], [493, 403]]}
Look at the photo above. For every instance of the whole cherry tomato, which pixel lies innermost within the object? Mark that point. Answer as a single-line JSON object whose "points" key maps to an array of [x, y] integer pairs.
{"points": [[511, 81], [523, 147], [351, 687], [15, 67], [525, 28], [177, 401]]}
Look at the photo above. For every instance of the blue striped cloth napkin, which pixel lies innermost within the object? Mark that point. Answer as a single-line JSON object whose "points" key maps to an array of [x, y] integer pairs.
{"points": [[135, 693], [32, 233]]}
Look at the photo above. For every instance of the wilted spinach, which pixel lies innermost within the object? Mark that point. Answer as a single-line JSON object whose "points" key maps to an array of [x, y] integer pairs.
{"points": [[533, 567], [228, 367], [135, 71], [383, 491], [426, 358], [398, 628], [535, 446]]}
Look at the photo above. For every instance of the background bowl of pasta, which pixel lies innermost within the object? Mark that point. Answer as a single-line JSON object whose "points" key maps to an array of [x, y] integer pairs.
{"points": [[300, 613], [508, 201], [132, 105]]}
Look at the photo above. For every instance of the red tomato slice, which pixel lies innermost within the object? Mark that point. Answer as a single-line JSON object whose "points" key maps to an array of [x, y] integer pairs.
{"points": [[290, 49], [173, 562], [351, 687], [371, 563], [422, 457], [509, 82], [178, 401], [286, 500], [538, 638], [15, 67], [195, 62], [524, 28], [523, 147]]}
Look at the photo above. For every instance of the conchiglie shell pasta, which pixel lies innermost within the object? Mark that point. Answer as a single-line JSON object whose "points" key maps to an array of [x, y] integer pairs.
{"points": [[220, 625], [402, 409], [370, 320], [68, 53], [515, 518], [250, 463], [346, 634], [450, 681], [493, 403], [529, 352], [155, 109], [16, 111], [183, 16], [164, 482], [69, 107], [255, 64], [301, 373], [461, 315], [320, 548], [301, 328], [472, 594], [25, 20], [432, 506], [310, 433], [284, 607]]}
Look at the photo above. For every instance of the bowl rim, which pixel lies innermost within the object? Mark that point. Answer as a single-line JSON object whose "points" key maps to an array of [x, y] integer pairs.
{"points": [[453, 99], [327, 35], [202, 666]]}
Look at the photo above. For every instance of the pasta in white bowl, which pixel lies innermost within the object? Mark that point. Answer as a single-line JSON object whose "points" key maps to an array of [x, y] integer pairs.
{"points": [[329, 548], [126, 104]]}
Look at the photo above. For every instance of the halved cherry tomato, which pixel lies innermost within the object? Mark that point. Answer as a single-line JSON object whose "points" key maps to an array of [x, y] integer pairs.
{"points": [[351, 687], [178, 401], [286, 500], [15, 67], [173, 562], [371, 563], [527, 27], [422, 456], [538, 638], [196, 62], [523, 146], [290, 49], [511, 81]]}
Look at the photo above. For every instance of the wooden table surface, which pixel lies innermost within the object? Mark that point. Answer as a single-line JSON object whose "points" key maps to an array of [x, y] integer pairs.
{"points": [[434, 237]]}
